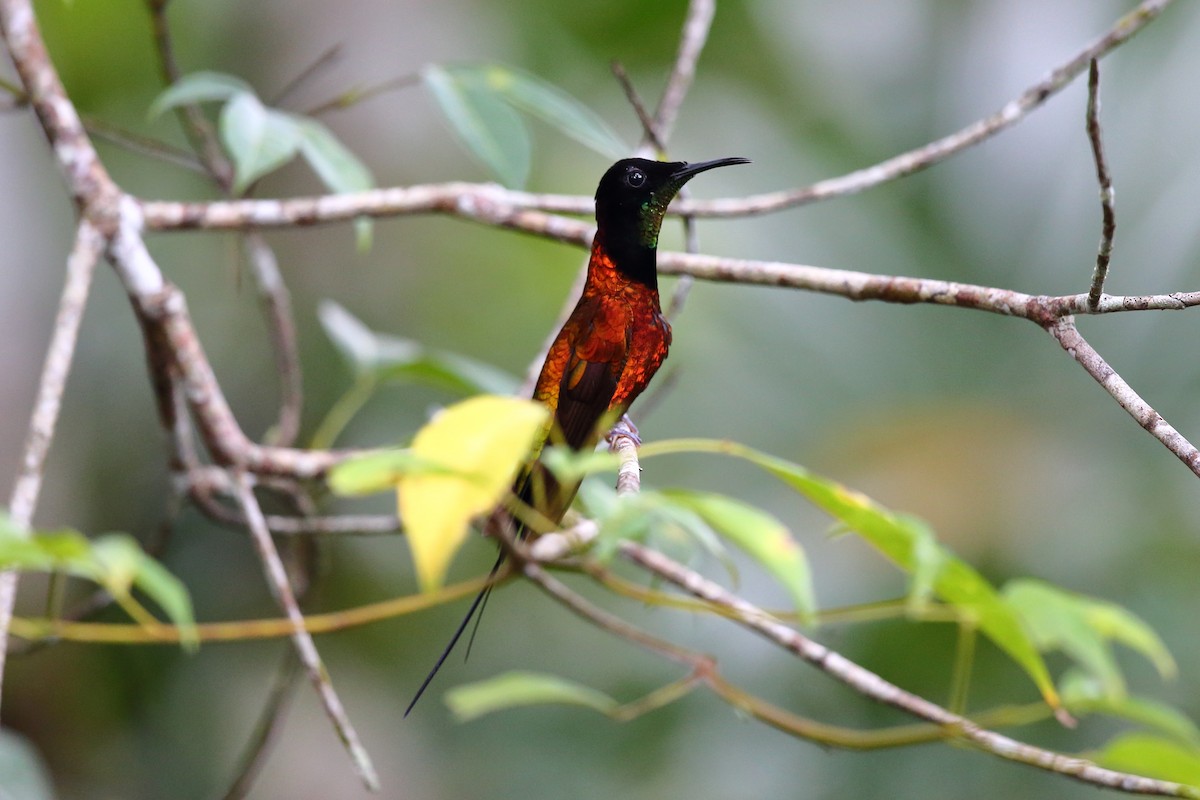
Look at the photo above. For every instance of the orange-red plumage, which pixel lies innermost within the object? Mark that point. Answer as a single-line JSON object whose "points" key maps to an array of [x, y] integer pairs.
{"points": [[616, 336]]}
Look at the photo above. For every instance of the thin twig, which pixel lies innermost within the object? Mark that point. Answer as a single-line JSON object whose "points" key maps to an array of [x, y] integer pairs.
{"points": [[142, 145], [159, 633], [939, 150], [649, 130], [691, 43], [1067, 335], [610, 622], [195, 125], [16, 95], [276, 303], [357, 95], [1108, 212], [306, 649], [81, 266], [328, 57], [283, 689]]}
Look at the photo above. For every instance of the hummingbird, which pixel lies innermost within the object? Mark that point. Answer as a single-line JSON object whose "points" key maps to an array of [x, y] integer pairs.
{"points": [[613, 342]]}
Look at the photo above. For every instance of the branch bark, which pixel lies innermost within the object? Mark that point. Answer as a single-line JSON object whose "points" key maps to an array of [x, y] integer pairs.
{"points": [[81, 266]]}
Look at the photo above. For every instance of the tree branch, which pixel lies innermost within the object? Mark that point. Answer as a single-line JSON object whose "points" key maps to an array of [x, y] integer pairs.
{"points": [[81, 266], [1067, 335], [306, 649], [1108, 213], [691, 43]]}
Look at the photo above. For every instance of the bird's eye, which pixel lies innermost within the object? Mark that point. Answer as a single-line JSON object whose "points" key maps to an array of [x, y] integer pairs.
{"points": [[635, 177]]}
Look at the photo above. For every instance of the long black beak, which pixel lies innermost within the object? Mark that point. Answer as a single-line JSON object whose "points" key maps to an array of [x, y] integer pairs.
{"points": [[688, 170]]}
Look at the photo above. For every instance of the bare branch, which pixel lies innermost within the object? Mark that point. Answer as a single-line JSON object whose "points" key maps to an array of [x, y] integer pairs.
{"points": [[483, 202], [267, 730], [195, 125], [691, 43], [927, 155], [649, 131], [152, 148], [1067, 335], [276, 303], [306, 649], [461, 198], [855, 285], [328, 57], [169, 329], [81, 266], [1107, 211]]}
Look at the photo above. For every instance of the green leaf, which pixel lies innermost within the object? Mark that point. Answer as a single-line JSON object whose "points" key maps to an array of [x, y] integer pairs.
{"points": [[114, 561], [572, 465], [198, 87], [24, 773], [906, 542], [637, 517], [337, 167], [390, 358], [485, 124], [1082, 627], [1083, 694], [1153, 756], [759, 535], [546, 102], [357, 343], [123, 565], [1122, 625], [928, 560], [513, 689], [64, 550], [257, 138], [380, 471]]}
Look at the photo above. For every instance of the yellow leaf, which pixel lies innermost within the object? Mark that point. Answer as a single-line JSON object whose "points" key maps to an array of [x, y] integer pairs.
{"points": [[481, 442]]}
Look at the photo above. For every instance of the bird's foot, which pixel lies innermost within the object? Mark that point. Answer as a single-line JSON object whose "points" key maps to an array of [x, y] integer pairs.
{"points": [[624, 428]]}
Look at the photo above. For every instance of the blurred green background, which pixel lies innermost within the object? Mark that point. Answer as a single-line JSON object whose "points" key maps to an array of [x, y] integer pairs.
{"points": [[977, 423]]}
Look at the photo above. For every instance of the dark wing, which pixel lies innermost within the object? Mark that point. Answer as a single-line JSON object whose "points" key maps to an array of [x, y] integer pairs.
{"points": [[583, 398], [597, 348]]}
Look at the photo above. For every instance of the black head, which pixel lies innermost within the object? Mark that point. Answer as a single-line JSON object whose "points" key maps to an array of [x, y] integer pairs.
{"points": [[634, 194], [630, 203]]}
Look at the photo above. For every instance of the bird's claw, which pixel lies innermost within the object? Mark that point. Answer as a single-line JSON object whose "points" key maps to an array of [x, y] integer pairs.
{"points": [[624, 428]]}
